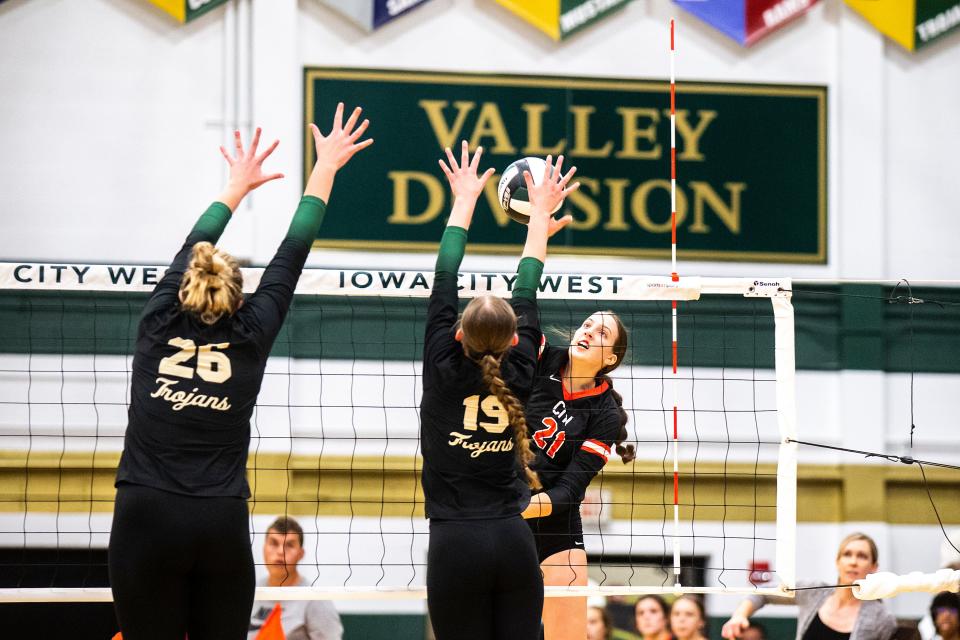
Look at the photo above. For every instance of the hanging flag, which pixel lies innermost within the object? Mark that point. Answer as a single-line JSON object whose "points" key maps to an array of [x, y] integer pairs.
{"points": [[373, 14], [271, 629], [747, 21], [187, 10], [562, 18], [910, 23]]}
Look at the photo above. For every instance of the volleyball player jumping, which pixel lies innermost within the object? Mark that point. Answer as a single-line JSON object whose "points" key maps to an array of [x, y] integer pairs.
{"points": [[179, 559], [483, 582], [575, 418]]}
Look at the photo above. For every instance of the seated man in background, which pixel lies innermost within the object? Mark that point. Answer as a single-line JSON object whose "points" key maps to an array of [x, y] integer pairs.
{"points": [[300, 619]]}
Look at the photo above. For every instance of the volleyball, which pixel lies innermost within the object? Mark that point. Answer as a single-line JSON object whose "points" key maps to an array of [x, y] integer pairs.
{"points": [[512, 190]]}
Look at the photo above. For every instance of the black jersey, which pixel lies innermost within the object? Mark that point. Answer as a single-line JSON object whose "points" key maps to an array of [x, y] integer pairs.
{"points": [[470, 470], [194, 385], [571, 433]]}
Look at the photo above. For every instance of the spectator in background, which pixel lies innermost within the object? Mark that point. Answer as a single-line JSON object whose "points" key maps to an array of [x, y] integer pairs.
{"points": [[652, 615], [828, 612], [300, 619], [945, 611], [688, 620], [599, 625]]}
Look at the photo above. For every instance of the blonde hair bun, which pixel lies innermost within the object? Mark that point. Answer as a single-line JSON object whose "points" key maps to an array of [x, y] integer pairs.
{"points": [[212, 285]]}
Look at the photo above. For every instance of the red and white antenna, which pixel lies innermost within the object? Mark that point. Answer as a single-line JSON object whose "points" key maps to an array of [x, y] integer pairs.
{"points": [[675, 278]]}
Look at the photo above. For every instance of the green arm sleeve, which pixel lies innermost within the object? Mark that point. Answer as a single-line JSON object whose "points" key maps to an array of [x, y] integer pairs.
{"points": [[528, 278], [213, 221], [452, 246], [307, 220]]}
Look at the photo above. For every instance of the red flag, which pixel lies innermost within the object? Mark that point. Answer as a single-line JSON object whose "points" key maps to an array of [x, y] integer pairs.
{"points": [[271, 629]]}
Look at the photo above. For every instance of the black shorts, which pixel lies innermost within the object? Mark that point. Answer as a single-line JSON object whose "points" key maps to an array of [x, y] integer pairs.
{"points": [[180, 565], [483, 580], [557, 532]]}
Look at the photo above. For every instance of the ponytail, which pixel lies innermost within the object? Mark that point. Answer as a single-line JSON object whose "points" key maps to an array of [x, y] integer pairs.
{"points": [[490, 368], [626, 452], [212, 286]]}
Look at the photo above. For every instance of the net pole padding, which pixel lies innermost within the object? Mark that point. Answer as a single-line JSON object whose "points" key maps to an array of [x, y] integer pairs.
{"points": [[785, 364], [885, 584], [104, 594]]}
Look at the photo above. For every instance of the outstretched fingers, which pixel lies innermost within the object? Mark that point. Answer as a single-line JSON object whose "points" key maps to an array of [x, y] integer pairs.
{"points": [[238, 143], [571, 189], [475, 163], [453, 162], [338, 117], [359, 130], [446, 170], [361, 145], [266, 154], [352, 120], [226, 155], [464, 155], [252, 151], [556, 173]]}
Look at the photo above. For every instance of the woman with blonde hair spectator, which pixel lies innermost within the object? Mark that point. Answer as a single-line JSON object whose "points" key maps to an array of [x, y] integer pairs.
{"points": [[829, 613]]}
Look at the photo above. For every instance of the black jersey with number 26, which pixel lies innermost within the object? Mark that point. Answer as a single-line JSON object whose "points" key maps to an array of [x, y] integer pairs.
{"points": [[194, 385], [572, 434], [470, 470]]}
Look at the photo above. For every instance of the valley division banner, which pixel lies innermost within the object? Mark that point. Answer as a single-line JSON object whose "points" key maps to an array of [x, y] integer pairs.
{"points": [[751, 162]]}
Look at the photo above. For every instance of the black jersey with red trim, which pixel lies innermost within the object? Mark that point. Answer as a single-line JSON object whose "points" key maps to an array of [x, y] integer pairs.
{"points": [[194, 386], [470, 468], [572, 434]]}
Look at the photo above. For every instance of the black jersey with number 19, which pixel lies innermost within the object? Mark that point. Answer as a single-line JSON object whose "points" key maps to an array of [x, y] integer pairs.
{"points": [[470, 468]]}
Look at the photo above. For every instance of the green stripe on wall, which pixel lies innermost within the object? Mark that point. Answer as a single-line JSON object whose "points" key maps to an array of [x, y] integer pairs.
{"points": [[848, 326]]}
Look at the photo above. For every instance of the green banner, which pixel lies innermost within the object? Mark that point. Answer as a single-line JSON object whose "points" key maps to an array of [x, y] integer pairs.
{"points": [[751, 162]]}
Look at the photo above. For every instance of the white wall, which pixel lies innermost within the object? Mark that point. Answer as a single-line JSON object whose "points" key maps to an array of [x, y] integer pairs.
{"points": [[112, 112]]}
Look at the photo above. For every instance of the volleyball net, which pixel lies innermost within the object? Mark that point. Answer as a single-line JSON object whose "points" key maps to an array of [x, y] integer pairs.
{"points": [[709, 503]]}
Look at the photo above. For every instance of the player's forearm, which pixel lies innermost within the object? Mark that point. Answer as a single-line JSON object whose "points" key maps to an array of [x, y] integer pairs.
{"points": [[307, 219], [537, 234], [528, 278], [320, 182], [452, 247], [232, 195], [461, 214], [745, 609], [213, 221]]}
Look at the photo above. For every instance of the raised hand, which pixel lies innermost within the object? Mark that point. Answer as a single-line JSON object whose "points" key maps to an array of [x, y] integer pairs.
{"points": [[547, 196], [246, 169], [463, 178], [335, 150], [337, 147]]}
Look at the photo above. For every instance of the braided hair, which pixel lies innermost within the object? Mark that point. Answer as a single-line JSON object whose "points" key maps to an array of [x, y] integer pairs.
{"points": [[489, 324]]}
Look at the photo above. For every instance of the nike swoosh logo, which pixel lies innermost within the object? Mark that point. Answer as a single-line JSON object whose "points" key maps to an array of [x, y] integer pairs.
{"points": [[555, 378], [579, 544]]}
